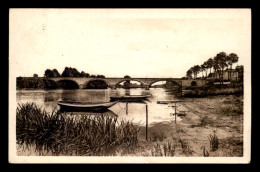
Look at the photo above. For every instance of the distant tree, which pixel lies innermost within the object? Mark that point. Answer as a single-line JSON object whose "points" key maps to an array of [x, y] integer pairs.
{"points": [[56, 73], [210, 63], [92, 76], [48, 73], [221, 60], [206, 67], [51, 73], [35, 75], [240, 70], [126, 76], [127, 82], [70, 72], [189, 73], [196, 70], [202, 69], [231, 59], [75, 72], [216, 68], [83, 74], [193, 71], [100, 76]]}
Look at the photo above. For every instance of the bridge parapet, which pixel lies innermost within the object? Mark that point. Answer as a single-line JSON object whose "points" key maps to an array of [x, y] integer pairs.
{"points": [[146, 82]]}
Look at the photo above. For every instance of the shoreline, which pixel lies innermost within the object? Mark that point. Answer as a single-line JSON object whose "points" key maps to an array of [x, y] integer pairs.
{"points": [[221, 115]]}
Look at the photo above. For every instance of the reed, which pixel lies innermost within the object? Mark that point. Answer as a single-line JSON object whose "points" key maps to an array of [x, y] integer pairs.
{"points": [[205, 152], [185, 147], [213, 140], [167, 149], [61, 134]]}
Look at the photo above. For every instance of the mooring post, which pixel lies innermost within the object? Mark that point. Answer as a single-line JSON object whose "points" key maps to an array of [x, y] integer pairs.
{"points": [[146, 128], [175, 113], [126, 108]]}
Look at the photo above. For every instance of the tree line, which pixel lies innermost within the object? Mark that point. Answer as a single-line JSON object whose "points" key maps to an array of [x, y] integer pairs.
{"points": [[218, 63], [68, 72], [36, 83]]}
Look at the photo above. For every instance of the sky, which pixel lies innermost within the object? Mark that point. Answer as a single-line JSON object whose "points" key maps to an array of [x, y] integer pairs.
{"points": [[118, 42]]}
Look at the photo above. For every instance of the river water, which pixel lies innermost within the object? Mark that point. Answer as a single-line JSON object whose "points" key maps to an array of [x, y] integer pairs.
{"points": [[136, 110]]}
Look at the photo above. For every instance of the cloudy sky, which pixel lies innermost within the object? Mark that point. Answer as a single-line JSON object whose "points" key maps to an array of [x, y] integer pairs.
{"points": [[118, 42]]}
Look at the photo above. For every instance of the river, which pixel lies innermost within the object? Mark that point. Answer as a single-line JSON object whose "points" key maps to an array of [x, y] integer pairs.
{"points": [[136, 110]]}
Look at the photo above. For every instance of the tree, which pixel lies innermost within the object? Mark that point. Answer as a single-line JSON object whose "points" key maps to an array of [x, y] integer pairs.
{"points": [[210, 63], [193, 71], [221, 59], [83, 74], [56, 73], [70, 72], [127, 82], [206, 68], [240, 70], [202, 69], [189, 73], [100, 76], [216, 68], [48, 73], [231, 58], [35, 75], [51, 73], [126, 76], [196, 70]]}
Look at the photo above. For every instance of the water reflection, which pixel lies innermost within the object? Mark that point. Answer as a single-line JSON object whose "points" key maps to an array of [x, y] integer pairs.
{"points": [[136, 110], [107, 113]]}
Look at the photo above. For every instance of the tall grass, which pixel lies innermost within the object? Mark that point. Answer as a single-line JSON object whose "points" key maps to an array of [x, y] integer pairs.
{"points": [[167, 149], [214, 142], [62, 135]]}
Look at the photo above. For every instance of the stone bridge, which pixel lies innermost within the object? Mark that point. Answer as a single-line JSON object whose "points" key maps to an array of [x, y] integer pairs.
{"points": [[146, 82]]}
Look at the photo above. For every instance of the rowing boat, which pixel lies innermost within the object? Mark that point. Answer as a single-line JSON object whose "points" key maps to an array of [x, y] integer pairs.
{"points": [[129, 97], [85, 106]]}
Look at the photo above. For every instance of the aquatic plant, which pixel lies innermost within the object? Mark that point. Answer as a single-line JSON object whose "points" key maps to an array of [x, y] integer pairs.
{"points": [[205, 152], [185, 147], [61, 134], [166, 149], [214, 143]]}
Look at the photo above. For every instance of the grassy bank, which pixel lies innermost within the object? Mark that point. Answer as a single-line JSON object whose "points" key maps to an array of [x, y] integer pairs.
{"points": [[204, 91], [212, 127], [58, 134]]}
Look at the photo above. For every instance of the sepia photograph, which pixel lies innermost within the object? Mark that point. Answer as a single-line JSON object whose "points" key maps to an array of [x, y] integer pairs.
{"points": [[129, 85]]}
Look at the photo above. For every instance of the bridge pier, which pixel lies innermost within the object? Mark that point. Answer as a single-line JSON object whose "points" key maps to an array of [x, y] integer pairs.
{"points": [[81, 86], [113, 87], [146, 87]]}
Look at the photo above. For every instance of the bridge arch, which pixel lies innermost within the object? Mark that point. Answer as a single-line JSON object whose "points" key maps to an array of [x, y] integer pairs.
{"points": [[167, 80], [96, 83], [67, 84], [193, 83], [128, 79]]}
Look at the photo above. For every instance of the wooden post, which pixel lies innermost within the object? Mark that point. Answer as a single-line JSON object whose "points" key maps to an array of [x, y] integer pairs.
{"points": [[146, 131], [126, 107], [175, 113]]}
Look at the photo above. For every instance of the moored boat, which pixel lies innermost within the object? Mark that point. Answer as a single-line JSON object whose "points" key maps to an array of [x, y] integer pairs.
{"points": [[129, 97], [85, 106]]}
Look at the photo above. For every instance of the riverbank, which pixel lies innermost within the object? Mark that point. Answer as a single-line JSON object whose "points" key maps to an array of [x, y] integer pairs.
{"points": [[221, 116], [211, 91]]}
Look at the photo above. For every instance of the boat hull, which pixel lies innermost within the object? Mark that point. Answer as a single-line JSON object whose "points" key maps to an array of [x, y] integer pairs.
{"points": [[129, 98], [81, 107]]}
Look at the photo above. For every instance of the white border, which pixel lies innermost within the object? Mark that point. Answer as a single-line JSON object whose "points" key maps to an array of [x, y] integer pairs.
{"points": [[13, 158]]}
